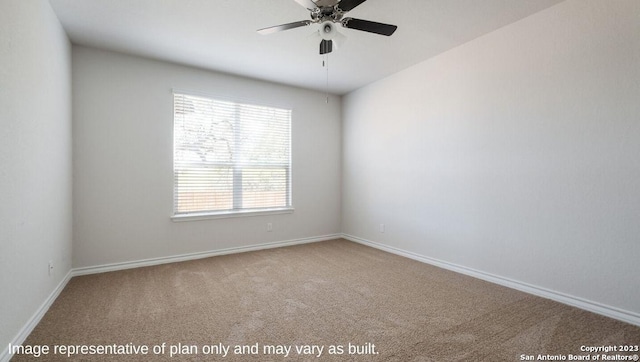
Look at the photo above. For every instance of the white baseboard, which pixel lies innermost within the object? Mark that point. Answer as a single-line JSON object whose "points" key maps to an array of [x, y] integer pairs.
{"points": [[193, 256], [605, 310], [6, 354]]}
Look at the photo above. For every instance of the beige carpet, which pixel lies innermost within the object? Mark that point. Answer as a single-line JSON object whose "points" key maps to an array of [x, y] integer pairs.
{"points": [[326, 294]]}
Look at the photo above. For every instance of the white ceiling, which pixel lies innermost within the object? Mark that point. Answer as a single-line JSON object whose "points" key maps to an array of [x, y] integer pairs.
{"points": [[221, 35]]}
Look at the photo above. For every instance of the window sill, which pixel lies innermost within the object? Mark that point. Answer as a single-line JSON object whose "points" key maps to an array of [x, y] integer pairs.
{"points": [[228, 214]]}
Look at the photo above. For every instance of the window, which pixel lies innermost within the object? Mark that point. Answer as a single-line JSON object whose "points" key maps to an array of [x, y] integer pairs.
{"points": [[230, 158]]}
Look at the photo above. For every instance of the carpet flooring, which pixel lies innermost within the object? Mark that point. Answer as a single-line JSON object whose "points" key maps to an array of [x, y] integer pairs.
{"points": [[353, 301]]}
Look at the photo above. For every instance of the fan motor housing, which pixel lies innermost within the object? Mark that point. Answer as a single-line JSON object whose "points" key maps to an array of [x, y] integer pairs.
{"points": [[327, 13]]}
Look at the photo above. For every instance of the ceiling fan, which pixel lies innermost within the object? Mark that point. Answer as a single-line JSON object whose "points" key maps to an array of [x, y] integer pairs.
{"points": [[327, 13]]}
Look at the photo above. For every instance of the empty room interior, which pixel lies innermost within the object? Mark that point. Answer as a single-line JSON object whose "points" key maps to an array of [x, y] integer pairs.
{"points": [[437, 180]]}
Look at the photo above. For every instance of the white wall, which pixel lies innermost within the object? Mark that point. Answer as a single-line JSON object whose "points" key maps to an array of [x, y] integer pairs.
{"points": [[35, 160], [123, 175], [516, 154]]}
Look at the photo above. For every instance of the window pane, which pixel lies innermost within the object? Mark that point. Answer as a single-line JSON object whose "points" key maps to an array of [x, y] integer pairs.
{"points": [[203, 189], [266, 187], [265, 135], [204, 130]]}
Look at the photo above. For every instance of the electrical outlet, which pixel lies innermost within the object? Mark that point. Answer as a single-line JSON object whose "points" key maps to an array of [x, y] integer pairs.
{"points": [[269, 226], [382, 228], [50, 267]]}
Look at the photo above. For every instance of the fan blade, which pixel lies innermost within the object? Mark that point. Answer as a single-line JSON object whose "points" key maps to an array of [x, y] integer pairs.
{"points": [[370, 26], [307, 4], [326, 46], [348, 5], [277, 28]]}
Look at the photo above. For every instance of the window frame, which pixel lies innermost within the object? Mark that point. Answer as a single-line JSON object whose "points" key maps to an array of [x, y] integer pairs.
{"points": [[237, 168]]}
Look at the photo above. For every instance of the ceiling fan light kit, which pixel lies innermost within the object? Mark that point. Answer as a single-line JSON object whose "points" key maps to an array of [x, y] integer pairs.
{"points": [[327, 13], [328, 30]]}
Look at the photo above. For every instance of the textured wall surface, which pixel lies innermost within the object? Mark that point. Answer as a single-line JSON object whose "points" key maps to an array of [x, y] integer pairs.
{"points": [[123, 161], [35, 160], [515, 154]]}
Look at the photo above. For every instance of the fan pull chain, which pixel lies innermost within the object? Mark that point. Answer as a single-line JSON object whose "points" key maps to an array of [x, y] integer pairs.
{"points": [[325, 63]]}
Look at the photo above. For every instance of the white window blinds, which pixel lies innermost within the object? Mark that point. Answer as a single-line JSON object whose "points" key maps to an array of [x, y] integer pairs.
{"points": [[230, 157]]}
